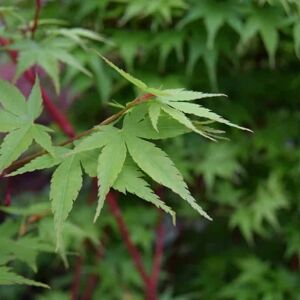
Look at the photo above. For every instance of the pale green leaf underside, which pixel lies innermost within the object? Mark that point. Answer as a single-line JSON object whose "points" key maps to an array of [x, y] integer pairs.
{"points": [[130, 180], [110, 163], [155, 163], [65, 185], [154, 112]]}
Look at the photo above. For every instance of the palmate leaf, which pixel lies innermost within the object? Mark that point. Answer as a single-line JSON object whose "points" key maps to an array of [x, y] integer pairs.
{"points": [[25, 249], [155, 163], [8, 277], [130, 180], [167, 42], [214, 15], [47, 54], [65, 185], [20, 123], [14, 103], [110, 164], [265, 21]]}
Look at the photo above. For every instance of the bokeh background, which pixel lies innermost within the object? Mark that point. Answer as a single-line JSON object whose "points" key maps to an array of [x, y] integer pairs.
{"points": [[249, 184]]}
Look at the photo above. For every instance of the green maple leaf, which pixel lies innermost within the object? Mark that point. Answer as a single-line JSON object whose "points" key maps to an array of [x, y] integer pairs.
{"points": [[219, 160], [156, 164], [110, 164], [214, 15], [47, 54], [131, 180], [265, 22], [18, 120], [175, 103]]}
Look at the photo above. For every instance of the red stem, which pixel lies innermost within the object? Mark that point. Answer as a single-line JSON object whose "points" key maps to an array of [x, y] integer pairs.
{"points": [[7, 200], [93, 278], [38, 6], [76, 278], [113, 205], [90, 287], [159, 247]]}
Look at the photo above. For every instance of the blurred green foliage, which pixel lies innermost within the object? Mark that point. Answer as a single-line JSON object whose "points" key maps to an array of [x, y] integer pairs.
{"points": [[249, 185]]}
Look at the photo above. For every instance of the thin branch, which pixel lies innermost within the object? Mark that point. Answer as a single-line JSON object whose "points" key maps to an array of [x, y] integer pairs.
{"points": [[38, 6], [90, 287], [159, 247], [93, 277], [7, 199], [76, 278], [113, 205]]}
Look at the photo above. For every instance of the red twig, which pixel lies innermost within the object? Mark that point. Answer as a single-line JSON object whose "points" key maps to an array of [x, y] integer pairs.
{"points": [[113, 205], [7, 199], [93, 278], [76, 278], [38, 6], [158, 254], [90, 287]]}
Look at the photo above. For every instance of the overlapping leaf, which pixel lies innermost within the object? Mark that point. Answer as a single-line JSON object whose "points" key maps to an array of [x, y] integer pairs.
{"points": [[66, 183], [47, 54], [18, 116], [131, 180], [172, 101]]}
